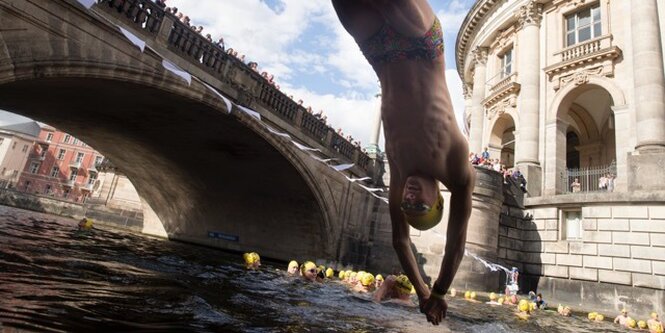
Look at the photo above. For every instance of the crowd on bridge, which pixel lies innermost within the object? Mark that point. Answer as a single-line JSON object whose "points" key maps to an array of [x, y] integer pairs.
{"points": [[253, 65]]}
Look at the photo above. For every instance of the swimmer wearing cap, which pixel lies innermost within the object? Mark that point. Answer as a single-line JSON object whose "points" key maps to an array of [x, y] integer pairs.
{"points": [[394, 287], [252, 260]]}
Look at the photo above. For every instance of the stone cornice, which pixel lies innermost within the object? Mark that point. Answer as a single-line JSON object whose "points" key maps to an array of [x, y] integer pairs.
{"points": [[480, 55], [469, 27]]}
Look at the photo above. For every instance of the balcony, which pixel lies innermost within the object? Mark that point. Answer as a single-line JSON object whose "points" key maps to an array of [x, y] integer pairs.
{"points": [[598, 51], [69, 183], [75, 164], [87, 187], [500, 88]]}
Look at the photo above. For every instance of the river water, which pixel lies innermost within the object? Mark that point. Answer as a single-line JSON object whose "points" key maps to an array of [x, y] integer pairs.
{"points": [[53, 280]]}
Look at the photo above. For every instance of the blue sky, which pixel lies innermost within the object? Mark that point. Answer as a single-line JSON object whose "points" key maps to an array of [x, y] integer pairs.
{"points": [[302, 43]]}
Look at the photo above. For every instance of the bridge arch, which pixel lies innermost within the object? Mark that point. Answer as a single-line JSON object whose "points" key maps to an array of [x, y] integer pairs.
{"points": [[198, 167]]}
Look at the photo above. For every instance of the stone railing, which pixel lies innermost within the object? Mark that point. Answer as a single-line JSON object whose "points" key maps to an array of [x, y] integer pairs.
{"points": [[503, 83], [146, 17], [585, 48]]}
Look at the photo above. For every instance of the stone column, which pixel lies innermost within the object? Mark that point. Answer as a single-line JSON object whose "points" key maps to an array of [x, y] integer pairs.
{"points": [[373, 147], [528, 75], [648, 76], [477, 108], [468, 105], [644, 166]]}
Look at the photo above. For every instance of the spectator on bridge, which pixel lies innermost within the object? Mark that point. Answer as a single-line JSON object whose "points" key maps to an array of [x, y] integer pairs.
{"points": [[576, 186], [209, 38], [519, 178], [172, 10], [220, 43], [161, 3], [253, 66]]}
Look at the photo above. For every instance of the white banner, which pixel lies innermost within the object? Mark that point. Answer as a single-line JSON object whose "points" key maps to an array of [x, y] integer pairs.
{"points": [[228, 103], [132, 38], [323, 160], [249, 111], [278, 133], [370, 189], [87, 3], [353, 180], [303, 147], [177, 71], [342, 167]]}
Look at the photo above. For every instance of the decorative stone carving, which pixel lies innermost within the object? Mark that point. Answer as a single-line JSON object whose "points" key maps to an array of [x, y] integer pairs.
{"points": [[529, 14], [578, 77], [500, 108], [480, 56], [468, 90]]}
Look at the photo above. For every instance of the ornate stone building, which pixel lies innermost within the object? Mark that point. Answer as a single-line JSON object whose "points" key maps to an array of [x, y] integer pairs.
{"points": [[572, 92]]}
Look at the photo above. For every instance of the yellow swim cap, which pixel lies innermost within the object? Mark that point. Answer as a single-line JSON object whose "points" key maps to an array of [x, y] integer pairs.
{"points": [[632, 323], [533, 306], [600, 317], [293, 264], [523, 306], [473, 295], [500, 300], [467, 294], [341, 275], [642, 324], [492, 296], [403, 284], [654, 315], [308, 265], [353, 274], [592, 315], [367, 279], [330, 273], [429, 219], [85, 223], [379, 277]]}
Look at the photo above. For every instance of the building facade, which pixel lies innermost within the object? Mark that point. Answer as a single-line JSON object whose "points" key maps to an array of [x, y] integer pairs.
{"points": [[60, 166], [14, 151], [572, 93]]}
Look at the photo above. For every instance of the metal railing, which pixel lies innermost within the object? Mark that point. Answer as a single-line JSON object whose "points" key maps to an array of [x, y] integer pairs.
{"points": [[591, 179], [146, 16]]}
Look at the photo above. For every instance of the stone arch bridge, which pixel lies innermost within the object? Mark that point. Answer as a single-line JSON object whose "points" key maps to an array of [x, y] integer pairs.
{"points": [[211, 175]]}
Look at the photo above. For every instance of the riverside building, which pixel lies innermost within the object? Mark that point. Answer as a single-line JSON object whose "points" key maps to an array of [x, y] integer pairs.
{"points": [[572, 93]]}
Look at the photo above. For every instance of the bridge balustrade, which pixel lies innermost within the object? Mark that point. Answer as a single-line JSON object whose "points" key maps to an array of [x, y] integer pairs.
{"points": [[314, 127], [148, 17], [144, 14]]}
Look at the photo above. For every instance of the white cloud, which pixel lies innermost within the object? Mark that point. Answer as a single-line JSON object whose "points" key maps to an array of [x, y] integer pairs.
{"points": [[279, 40]]}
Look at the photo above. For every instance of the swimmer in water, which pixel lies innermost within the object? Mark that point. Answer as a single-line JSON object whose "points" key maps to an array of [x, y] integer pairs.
{"points": [[394, 288], [308, 271], [252, 260], [366, 283], [85, 224], [293, 267], [623, 318], [654, 324]]}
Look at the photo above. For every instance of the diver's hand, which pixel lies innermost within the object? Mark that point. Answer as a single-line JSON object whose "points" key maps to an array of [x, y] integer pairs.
{"points": [[435, 309]]}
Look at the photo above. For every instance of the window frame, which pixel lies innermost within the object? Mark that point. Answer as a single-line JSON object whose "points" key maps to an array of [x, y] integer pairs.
{"points": [[61, 154], [502, 59], [80, 156], [66, 138], [73, 175], [55, 171], [565, 234], [49, 137], [593, 34], [34, 167]]}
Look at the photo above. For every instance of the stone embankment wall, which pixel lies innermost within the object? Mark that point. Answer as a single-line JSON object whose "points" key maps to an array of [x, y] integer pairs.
{"points": [[115, 217], [619, 260]]}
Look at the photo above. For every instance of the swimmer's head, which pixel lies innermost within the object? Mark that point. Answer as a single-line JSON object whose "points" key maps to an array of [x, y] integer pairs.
{"points": [[403, 284], [293, 267], [341, 275], [453, 292], [500, 300], [642, 324], [473, 295], [422, 203], [367, 279], [308, 270], [592, 315], [624, 311], [467, 294], [252, 260], [492, 296], [631, 323], [600, 317], [523, 306], [85, 223], [654, 315], [378, 280], [330, 273]]}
